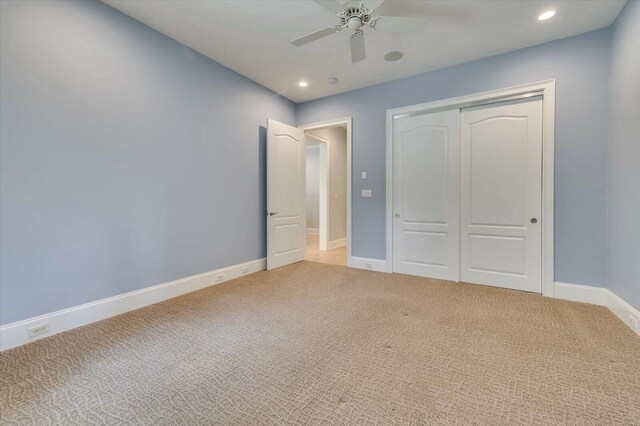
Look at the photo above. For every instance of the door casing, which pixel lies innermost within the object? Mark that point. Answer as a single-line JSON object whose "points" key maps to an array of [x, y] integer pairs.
{"points": [[544, 88]]}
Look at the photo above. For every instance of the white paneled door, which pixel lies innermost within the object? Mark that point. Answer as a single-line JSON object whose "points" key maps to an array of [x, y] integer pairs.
{"points": [[501, 194], [426, 195], [286, 194]]}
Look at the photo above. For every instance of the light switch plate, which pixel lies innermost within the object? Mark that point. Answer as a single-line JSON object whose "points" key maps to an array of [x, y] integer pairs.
{"points": [[364, 175], [366, 193]]}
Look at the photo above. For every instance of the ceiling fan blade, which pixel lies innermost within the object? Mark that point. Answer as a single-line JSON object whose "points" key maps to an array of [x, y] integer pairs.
{"points": [[314, 36], [372, 4], [440, 10], [330, 5], [399, 24], [357, 47]]}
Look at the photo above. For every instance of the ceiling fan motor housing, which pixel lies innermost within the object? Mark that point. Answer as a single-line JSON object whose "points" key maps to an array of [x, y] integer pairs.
{"points": [[354, 16]]}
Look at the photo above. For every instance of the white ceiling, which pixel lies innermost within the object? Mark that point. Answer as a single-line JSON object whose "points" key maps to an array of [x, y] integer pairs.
{"points": [[252, 36]]}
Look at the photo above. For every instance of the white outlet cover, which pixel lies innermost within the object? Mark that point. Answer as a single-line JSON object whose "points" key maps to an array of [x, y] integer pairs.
{"points": [[366, 193], [38, 330]]}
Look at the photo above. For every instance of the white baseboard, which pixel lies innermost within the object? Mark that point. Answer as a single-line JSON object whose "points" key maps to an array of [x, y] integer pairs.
{"points": [[600, 296], [580, 293], [17, 333], [624, 311], [337, 243], [370, 264], [313, 231]]}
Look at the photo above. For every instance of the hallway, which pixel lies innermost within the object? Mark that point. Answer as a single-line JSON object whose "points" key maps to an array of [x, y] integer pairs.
{"points": [[337, 256]]}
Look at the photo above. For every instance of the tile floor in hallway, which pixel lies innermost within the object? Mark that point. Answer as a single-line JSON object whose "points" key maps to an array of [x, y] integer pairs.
{"points": [[337, 256]]}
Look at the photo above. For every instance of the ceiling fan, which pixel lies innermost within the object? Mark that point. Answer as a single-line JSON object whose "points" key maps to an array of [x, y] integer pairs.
{"points": [[355, 15]]}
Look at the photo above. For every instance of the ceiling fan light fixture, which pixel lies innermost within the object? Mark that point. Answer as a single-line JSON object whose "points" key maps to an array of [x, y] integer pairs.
{"points": [[303, 83], [546, 15], [354, 23]]}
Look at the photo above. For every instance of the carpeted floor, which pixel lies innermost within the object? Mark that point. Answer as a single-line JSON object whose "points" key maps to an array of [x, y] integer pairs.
{"points": [[322, 344]]}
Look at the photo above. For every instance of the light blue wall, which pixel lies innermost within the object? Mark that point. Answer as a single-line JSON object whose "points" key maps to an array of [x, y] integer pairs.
{"points": [[580, 66], [127, 159], [624, 157]]}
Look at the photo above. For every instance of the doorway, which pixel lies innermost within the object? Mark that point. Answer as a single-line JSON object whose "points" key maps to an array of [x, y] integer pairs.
{"points": [[326, 195], [286, 213]]}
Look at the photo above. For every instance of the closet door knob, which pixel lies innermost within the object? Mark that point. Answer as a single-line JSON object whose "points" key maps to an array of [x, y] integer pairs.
{"points": [[397, 216], [534, 220]]}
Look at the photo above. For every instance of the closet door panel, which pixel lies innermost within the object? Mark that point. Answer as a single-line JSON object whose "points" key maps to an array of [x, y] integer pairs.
{"points": [[501, 194], [426, 195]]}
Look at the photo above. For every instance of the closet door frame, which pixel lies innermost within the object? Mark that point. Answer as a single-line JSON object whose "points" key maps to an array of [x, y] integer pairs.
{"points": [[546, 89]]}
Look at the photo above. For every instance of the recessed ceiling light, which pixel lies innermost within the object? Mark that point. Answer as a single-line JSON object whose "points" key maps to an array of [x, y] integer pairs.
{"points": [[546, 15], [303, 84], [393, 56]]}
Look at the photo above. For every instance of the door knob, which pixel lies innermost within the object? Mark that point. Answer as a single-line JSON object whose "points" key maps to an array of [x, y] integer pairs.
{"points": [[272, 213], [534, 220], [397, 216]]}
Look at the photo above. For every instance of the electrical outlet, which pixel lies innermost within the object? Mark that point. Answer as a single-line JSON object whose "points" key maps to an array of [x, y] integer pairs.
{"points": [[39, 329], [245, 270], [633, 322], [368, 265], [219, 278]]}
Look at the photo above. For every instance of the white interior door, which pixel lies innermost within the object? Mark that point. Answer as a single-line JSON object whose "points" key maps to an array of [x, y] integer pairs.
{"points": [[426, 195], [501, 194], [286, 194]]}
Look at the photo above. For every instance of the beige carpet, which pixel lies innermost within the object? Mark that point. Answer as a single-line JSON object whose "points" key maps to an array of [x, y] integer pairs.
{"points": [[321, 344]]}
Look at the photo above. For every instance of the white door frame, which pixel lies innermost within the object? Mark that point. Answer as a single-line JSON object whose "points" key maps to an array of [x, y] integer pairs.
{"points": [[337, 123], [323, 190], [547, 89]]}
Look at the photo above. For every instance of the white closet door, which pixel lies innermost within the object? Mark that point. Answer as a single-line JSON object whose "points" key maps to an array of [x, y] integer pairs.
{"points": [[426, 195], [501, 198]]}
